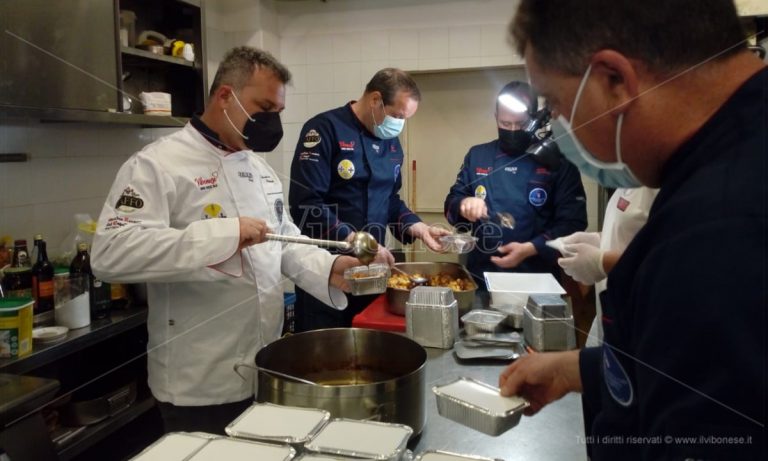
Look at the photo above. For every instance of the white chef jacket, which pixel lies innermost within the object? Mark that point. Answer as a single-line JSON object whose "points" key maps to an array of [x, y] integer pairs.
{"points": [[625, 214], [171, 220]]}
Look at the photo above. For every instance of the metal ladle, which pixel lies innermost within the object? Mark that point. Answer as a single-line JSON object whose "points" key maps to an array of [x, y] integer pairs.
{"points": [[363, 245], [272, 372], [417, 281]]}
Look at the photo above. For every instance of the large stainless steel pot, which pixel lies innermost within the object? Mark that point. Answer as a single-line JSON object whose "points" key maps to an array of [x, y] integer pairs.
{"points": [[396, 298], [361, 374]]}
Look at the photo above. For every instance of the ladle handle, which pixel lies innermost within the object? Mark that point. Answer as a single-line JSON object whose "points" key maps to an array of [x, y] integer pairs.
{"points": [[346, 246]]}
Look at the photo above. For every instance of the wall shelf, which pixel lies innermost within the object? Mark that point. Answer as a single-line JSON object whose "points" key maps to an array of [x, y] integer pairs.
{"points": [[156, 57]]}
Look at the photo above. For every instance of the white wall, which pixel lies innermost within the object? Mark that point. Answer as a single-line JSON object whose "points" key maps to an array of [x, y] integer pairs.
{"points": [[332, 48]]}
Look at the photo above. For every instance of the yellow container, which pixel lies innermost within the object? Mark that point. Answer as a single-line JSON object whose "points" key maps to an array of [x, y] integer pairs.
{"points": [[15, 327]]}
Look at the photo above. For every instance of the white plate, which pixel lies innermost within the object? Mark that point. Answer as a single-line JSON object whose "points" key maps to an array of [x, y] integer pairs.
{"points": [[49, 334]]}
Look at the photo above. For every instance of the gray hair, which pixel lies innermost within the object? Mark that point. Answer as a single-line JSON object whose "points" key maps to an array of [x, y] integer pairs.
{"points": [[239, 63]]}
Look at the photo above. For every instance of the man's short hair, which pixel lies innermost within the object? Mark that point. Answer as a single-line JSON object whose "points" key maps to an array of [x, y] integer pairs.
{"points": [[238, 66], [523, 92], [389, 82], [667, 35]]}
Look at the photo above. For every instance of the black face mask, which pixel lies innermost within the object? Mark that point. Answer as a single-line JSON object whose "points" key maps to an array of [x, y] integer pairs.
{"points": [[262, 131], [513, 142]]}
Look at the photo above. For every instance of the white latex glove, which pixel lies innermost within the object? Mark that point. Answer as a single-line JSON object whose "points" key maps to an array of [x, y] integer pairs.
{"points": [[590, 238], [586, 264], [429, 235]]}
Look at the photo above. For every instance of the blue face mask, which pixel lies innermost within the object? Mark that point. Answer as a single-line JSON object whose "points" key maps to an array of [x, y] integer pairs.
{"points": [[390, 127], [609, 174]]}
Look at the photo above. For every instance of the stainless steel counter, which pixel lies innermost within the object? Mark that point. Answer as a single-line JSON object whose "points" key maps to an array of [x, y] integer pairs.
{"points": [[555, 433]]}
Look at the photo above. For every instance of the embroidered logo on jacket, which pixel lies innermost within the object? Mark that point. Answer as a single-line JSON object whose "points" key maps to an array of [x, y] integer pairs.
{"points": [[480, 192], [347, 146], [129, 201], [211, 182], [311, 139], [346, 169], [537, 196], [213, 210], [245, 175], [480, 171]]}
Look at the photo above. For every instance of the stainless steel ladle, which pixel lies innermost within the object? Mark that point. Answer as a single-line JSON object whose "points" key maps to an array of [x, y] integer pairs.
{"points": [[416, 280], [363, 245], [272, 372]]}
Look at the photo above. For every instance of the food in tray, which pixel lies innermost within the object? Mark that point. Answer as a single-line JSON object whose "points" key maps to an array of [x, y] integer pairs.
{"points": [[441, 279]]}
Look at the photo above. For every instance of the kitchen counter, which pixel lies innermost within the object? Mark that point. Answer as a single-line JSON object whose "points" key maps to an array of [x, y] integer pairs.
{"points": [[555, 433]]}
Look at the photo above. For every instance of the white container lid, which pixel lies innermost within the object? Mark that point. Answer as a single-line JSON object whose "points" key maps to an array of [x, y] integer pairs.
{"points": [[176, 446], [481, 396], [241, 450], [266, 421], [362, 439]]}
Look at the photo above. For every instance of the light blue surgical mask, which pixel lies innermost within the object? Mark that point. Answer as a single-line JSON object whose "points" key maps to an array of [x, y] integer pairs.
{"points": [[609, 174], [390, 127]]}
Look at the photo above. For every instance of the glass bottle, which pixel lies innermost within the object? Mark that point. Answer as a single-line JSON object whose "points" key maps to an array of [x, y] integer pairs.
{"points": [[42, 280], [17, 279], [100, 292]]}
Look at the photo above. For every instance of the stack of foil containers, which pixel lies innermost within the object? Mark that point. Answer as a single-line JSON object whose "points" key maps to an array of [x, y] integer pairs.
{"points": [[432, 317]]}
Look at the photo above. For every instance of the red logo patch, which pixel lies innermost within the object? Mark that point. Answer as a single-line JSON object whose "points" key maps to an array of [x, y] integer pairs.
{"points": [[622, 204], [542, 171], [347, 145], [483, 171]]}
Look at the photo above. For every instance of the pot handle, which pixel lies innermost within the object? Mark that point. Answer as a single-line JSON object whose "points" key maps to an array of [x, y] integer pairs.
{"points": [[240, 365]]}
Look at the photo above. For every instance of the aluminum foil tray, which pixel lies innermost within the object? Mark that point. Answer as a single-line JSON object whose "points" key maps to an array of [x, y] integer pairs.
{"points": [[367, 280], [225, 448], [439, 455], [479, 406], [482, 321], [174, 446], [266, 422], [361, 439]]}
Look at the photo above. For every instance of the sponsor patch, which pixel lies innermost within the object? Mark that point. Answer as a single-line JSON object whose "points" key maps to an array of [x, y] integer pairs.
{"points": [[213, 210], [267, 178], [309, 156], [347, 146], [542, 170], [346, 169], [483, 171], [245, 175], [480, 192], [211, 182], [129, 201], [119, 221], [311, 139], [537, 196], [511, 169], [616, 379], [622, 204], [376, 147]]}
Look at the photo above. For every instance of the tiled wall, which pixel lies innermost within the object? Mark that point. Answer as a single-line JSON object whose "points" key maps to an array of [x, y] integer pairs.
{"points": [[332, 48], [69, 171]]}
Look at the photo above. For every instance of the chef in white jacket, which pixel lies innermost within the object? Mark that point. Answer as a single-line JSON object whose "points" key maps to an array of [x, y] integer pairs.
{"points": [[188, 215]]}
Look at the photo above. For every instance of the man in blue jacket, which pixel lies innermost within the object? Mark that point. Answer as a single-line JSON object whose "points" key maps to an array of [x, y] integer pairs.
{"points": [[665, 94], [499, 176], [345, 177]]}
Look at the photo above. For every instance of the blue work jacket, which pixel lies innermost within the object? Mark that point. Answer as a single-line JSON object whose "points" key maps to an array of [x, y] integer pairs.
{"points": [[546, 204], [345, 179]]}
